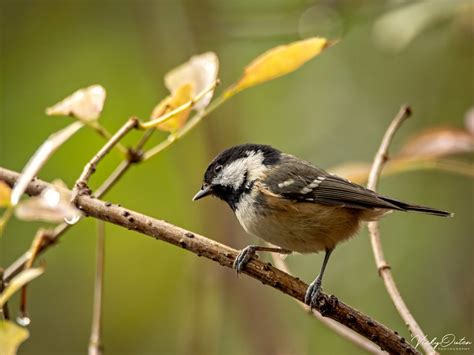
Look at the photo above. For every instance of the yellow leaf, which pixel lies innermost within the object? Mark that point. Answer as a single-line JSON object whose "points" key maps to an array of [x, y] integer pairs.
{"points": [[279, 61], [11, 337], [181, 96], [5, 193], [200, 70]]}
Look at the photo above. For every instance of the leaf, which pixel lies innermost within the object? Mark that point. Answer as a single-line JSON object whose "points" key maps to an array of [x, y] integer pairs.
{"points": [[18, 282], [469, 119], [201, 71], [11, 337], [279, 61], [85, 104], [52, 205], [42, 154], [438, 142], [5, 194], [181, 96], [354, 171], [396, 29]]}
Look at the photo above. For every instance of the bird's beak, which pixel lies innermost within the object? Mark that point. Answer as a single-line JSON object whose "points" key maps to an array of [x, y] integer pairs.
{"points": [[205, 191]]}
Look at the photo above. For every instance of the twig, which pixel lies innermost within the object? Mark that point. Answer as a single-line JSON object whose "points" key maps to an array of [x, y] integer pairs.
{"points": [[41, 234], [193, 122], [328, 306], [81, 183], [4, 310], [104, 133], [95, 342], [336, 327], [185, 106], [382, 265]]}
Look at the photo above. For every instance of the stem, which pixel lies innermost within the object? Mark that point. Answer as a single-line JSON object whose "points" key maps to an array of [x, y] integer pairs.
{"points": [[4, 310], [189, 104], [193, 122], [382, 265], [104, 133], [5, 218], [95, 343]]}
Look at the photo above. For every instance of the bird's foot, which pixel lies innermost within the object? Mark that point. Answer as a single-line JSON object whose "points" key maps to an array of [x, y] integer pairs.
{"points": [[244, 257], [312, 293]]}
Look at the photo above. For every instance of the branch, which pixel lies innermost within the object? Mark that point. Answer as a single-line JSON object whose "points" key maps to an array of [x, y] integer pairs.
{"points": [[382, 265], [328, 306]]}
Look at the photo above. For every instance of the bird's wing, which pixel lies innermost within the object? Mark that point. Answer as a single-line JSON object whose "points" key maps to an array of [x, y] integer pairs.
{"points": [[300, 181]]}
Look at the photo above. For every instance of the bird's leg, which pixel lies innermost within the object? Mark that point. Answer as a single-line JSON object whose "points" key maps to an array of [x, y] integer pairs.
{"points": [[249, 252], [314, 288]]}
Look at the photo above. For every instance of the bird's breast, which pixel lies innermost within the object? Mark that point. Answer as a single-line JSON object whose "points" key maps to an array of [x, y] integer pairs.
{"points": [[297, 226]]}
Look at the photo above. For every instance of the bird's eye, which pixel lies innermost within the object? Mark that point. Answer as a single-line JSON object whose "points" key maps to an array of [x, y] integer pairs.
{"points": [[217, 168]]}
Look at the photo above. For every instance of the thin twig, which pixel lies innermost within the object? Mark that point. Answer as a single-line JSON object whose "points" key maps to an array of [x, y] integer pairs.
{"points": [[95, 342], [41, 234], [104, 133], [81, 183], [185, 106], [336, 327], [4, 309], [328, 306], [382, 265], [193, 122]]}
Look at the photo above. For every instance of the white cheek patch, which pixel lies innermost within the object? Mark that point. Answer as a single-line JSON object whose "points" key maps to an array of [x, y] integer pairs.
{"points": [[234, 174]]}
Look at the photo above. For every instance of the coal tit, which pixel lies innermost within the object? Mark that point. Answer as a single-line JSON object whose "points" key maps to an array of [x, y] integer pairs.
{"points": [[292, 204]]}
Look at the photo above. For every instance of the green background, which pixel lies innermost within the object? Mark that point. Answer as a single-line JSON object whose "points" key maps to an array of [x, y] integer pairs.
{"points": [[161, 299]]}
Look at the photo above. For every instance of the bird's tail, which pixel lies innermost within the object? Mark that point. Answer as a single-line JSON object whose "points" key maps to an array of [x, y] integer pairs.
{"points": [[409, 207]]}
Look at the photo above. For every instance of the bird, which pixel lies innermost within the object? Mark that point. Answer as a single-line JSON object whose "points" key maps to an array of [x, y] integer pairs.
{"points": [[292, 204]]}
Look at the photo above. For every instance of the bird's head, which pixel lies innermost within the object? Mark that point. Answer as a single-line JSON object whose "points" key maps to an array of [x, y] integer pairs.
{"points": [[233, 172]]}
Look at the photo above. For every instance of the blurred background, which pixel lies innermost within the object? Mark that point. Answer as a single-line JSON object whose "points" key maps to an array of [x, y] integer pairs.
{"points": [[334, 110]]}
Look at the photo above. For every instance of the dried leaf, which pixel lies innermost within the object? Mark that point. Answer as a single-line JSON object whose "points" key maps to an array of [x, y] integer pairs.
{"points": [[36, 162], [5, 194], [469, 119], [181, 96], [18, 282], [11, 337], [200, 71], [52, 205], [279, 61], [356, 172], [85, 104], [438, 142]]}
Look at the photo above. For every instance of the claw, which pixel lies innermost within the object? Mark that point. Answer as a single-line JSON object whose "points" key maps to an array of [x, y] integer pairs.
{"points": [[243, 258], [312, 293]]}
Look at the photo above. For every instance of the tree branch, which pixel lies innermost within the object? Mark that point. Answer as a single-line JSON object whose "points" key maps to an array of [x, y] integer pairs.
{"points": [[328, 306], [382, 265]]}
